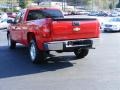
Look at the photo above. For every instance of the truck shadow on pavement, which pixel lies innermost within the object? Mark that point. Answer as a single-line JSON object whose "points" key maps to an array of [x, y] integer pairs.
{"points": [[17, 63]]}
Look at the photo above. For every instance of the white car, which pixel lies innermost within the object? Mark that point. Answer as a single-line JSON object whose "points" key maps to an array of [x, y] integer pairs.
{"points": [[114, 14], [112, 24], [3, 20], [3, 23], [101, 21]]}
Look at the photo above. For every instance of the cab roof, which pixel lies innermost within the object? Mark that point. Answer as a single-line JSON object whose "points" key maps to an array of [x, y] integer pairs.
{"points": [[41, 8]]}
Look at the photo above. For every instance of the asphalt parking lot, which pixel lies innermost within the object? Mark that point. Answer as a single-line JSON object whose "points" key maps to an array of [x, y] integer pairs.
{"points": [[100, 70]]}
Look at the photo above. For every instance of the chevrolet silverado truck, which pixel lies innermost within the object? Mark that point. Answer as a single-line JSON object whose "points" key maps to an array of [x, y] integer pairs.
{"points": [[45, 29]]}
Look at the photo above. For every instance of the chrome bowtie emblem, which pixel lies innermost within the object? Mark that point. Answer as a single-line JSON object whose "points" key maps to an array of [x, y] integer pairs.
{"points": [[76, 29]]}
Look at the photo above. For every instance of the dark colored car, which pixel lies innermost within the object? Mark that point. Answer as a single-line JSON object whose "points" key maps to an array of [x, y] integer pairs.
{"points": [[93, 13], [101, 13]]}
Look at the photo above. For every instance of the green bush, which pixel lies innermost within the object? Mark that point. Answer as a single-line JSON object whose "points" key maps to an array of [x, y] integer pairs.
{"points": [[22, 3]]}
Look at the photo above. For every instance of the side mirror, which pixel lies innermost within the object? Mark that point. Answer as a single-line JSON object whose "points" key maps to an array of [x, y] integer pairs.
{"points": [[10, 21]]}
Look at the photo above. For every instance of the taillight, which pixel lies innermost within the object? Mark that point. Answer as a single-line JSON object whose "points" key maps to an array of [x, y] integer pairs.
{"points": [[45, 31]]}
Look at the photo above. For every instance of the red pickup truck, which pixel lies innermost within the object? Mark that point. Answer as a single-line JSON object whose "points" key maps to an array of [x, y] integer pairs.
{"points": [[45, 29]]}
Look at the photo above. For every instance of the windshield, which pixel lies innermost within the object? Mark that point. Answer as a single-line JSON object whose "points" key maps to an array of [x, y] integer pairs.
{"points": [[46, 13], [115, 20], [53, 13]]}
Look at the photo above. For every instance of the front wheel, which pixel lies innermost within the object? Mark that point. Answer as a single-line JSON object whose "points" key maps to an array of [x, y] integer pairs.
{"points": [[36, 55], [11, 43], [81, 53]]}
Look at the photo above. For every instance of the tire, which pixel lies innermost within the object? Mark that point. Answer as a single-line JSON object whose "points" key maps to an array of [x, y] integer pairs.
{"points": [[11, 43], [36, 55], [105, 31], [81, 53]]}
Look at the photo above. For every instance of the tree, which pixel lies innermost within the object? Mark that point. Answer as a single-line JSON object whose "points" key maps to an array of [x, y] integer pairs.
{"points": [[79, 2], [22, 3], [118, 5], [111, 6]]}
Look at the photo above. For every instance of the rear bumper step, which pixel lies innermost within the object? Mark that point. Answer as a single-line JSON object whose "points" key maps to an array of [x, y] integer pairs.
{"points": [[69, 44]]}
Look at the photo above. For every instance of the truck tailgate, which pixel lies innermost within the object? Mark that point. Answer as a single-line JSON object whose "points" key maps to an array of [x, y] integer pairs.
{"points": [[63, 29]]}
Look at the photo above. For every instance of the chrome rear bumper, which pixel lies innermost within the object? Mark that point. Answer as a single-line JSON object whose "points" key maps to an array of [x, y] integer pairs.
{"points": [[69, 44]]}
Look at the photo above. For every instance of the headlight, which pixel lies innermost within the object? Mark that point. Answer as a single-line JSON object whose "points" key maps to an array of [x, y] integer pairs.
{"points": [[114, 26]]}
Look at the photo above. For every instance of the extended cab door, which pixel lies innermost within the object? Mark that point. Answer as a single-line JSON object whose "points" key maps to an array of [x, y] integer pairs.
{"points": [[16, 28]]}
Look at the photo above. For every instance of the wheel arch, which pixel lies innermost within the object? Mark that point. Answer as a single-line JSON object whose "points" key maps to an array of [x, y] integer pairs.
{"points": [[30, 35]]}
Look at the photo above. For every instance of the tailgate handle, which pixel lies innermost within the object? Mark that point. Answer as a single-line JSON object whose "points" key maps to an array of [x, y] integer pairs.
{"points": [[76, 23]]}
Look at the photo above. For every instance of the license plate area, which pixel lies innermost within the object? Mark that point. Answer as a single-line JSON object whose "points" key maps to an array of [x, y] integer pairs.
{"points": [[78, 43]]}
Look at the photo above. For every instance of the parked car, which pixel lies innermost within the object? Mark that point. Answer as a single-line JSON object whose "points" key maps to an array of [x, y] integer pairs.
{"points": [[82, 12], [3, 15], [114, 14], [3, 23], [112, 24], [93, 13], [11, 14], [65, 13], [101, 13]]}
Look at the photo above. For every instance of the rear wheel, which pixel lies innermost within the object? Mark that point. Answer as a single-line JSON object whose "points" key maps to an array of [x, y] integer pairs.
{"points": [[81, 53], [36, 55], [11, 43]]}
